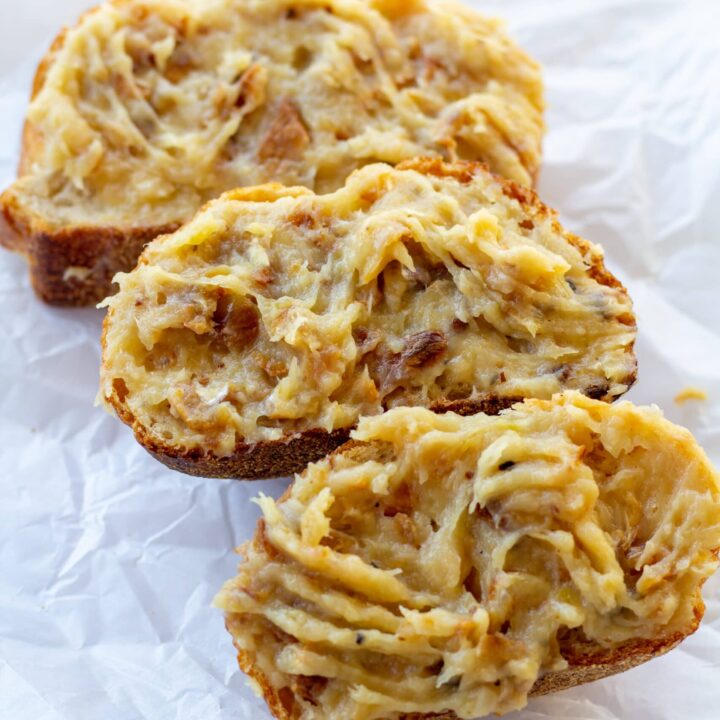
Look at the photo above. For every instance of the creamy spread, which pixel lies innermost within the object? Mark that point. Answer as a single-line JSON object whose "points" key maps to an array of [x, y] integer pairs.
{"points": [[276, 310], [436, 568], [151, 107]]}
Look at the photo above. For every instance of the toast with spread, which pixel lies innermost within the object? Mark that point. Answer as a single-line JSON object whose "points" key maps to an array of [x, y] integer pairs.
{"points": [[249, 342], [440, 566]]}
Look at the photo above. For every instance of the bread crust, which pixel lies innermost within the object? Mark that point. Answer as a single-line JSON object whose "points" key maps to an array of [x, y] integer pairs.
{"points": [[274, 458], [73, 266]]}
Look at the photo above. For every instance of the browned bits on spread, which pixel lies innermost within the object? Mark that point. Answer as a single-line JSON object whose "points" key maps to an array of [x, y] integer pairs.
{"points": [[302, 218], [287, 700], [423, 348], [598, 390], [309, 687], [274, 369], [626, 319], [180, 63], [426, 272], [431, 66], [525, 196], [370, 196], [192, 409], [390, 370], [401, 502], [366, 340], [527, 224], [265, 276], [461, 171], [120, 388], [287, 137], [261, 540], [251, 90], [182, 26], [237, 320]]}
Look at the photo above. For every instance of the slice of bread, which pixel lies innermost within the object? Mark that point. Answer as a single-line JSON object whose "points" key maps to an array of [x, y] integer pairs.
{"points": [[149, 108], [248, 343], [449, 566]]}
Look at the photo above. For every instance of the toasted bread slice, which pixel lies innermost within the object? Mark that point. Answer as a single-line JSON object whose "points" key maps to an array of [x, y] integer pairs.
{"points": [[449, 566], [249, 342], [148, 108]]}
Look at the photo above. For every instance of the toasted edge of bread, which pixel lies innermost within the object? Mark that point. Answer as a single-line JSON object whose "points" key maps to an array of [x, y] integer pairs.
{"points": [[276, 458], [74, 266], [587, 660], [286, 456]]}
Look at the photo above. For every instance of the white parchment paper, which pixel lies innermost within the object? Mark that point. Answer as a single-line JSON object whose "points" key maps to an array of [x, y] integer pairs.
{"points": [[109, 561]]}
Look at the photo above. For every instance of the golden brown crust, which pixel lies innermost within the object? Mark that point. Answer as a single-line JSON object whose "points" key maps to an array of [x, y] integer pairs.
{"points": [[275, 458], [73, 266]]}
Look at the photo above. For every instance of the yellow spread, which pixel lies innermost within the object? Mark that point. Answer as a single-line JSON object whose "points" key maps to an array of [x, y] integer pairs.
{"points": [[437, 568], [275, 310], [151, 107]]}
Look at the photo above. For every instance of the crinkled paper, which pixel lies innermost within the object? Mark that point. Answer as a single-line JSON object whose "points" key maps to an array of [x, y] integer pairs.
{"points": [[109, 561]]}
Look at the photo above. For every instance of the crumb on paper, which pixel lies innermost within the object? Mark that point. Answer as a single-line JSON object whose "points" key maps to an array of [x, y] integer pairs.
{"points": [[690, 393]]}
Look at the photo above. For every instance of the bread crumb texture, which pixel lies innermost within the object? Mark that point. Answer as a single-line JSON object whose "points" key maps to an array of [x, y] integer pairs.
{"points": [[147, 109], [276, 311], [436, 565]]}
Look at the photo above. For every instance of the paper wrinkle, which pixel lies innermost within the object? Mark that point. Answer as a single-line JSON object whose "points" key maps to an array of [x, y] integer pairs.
{"points": [[110, 561]]}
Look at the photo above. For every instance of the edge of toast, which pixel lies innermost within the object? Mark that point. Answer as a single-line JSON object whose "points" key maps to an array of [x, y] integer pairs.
{"points": [[275, 458]]}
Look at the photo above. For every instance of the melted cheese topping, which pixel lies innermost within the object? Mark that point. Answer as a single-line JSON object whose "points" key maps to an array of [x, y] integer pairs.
{"points": [[276, 310], [436, 569], [151, 107]]}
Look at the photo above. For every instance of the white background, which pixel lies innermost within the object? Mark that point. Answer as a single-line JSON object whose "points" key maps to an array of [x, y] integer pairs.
{"points": [[109, 561]]}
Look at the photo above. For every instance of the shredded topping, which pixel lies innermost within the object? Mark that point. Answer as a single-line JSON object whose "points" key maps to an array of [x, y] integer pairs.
{"points": [[439, 566]]}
